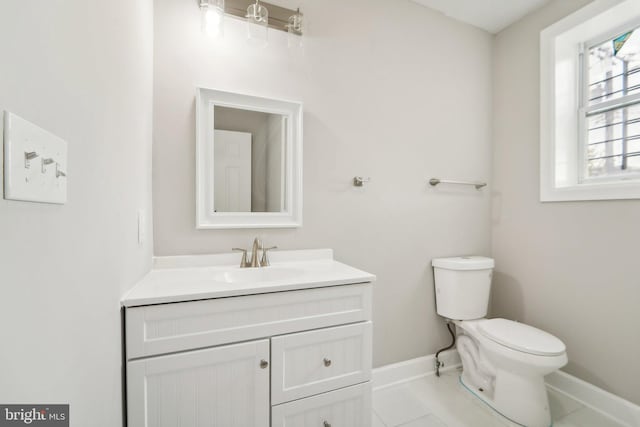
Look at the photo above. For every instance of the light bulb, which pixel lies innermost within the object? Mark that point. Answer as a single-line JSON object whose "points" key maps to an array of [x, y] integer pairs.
{"points": [[212, 13], [257, 24]]}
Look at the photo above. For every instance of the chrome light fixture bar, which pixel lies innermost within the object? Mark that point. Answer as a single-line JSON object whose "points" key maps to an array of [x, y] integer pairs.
{"points": [[278, 18]]}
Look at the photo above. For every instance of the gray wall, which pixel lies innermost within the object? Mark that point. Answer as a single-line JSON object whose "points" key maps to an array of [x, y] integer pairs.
{"points": [[391, 90], [569, 268], [83, 71]]}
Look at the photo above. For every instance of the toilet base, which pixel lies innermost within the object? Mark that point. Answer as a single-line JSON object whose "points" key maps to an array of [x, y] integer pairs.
{"points": [[522, 401], [509, 381]]}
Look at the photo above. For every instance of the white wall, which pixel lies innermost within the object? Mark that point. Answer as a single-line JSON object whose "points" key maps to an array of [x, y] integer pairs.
{"points": [[569, 268], [83, 71], [391, 90]]}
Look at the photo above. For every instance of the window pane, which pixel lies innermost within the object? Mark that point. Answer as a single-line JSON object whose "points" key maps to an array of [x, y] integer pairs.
{"points": [[613, 142], [614, 68]]}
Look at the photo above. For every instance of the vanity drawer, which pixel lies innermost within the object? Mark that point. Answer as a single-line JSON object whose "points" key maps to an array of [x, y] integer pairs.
{"points": [[314, 362], [347, 407], [166, 328]]}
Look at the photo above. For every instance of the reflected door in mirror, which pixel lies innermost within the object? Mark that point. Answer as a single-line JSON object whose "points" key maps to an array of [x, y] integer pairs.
{"points": [[249, 179], [232, 171]]}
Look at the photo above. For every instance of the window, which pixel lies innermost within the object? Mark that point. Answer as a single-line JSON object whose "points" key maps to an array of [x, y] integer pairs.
{"points": [[590, 104], [610, 110]]}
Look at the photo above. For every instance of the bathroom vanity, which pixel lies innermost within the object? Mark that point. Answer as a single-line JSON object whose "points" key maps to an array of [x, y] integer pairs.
{"points": [[209, 343]]}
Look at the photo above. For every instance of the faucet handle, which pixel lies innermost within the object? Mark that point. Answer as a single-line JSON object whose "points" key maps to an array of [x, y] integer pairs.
{"points": [[243, 263], [264, 262]]}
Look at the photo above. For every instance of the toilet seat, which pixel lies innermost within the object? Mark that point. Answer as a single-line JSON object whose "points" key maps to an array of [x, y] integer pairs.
{"points": [[521, 337]]}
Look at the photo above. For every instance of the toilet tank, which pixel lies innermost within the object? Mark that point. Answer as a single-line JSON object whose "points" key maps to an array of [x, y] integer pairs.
{"points": [[463, 285]]}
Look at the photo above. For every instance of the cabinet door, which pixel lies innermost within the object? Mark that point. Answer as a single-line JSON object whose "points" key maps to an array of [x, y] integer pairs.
{"points": [[218, 387]]}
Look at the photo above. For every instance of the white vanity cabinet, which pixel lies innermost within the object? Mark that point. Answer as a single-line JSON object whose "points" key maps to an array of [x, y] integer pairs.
{"points": [[294, 358], [210, 344]]}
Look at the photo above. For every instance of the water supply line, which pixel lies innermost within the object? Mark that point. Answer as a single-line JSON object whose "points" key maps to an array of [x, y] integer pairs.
{"points": [[440, 364]]}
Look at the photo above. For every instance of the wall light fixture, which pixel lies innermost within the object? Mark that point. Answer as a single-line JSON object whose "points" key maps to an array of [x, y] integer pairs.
{"points": [[260, 17]]}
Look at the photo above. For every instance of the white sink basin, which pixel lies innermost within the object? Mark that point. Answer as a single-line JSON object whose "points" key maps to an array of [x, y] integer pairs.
{"points": [[256, 275]]}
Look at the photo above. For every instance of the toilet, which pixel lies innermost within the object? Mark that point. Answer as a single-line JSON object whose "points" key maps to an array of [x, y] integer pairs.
{"points": [[504, 362]]}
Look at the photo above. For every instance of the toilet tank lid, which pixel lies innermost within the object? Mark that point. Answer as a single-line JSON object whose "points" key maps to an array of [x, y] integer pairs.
{"points": [[463, 263], [521, 337]]}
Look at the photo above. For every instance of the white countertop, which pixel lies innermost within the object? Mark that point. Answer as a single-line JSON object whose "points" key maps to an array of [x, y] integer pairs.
{"points": [[188, 278]]}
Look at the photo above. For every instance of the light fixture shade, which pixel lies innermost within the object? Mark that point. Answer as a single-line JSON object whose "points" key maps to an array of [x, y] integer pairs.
{"points": [[257, 24], [212, 17], [294, 29], [294, 24]]}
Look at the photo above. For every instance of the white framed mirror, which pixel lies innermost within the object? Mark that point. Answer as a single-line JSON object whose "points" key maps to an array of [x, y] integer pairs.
{"points": [[248, 161]]}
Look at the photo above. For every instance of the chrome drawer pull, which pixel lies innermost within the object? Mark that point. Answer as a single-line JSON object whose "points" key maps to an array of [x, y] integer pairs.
{"points": [[264, 364], [327, 363]]}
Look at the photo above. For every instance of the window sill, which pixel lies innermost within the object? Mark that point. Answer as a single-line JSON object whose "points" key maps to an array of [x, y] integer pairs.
{"points": [[613, 190]]}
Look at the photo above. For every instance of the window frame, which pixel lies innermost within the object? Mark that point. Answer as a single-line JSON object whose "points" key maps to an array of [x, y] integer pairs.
{"points": [[562, 119]]}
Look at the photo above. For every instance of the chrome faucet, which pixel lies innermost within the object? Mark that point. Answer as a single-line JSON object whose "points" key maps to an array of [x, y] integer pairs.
{"points": [[255, 260]]}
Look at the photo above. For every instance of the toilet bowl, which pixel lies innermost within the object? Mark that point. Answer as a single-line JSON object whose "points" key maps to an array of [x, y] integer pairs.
{"points": [[504, 362]]}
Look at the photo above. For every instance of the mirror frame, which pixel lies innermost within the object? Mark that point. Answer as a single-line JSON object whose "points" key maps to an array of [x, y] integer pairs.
{"points": [[206, 217]]}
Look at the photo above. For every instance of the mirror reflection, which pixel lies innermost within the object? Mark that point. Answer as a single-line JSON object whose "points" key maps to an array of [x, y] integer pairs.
{"points": [[249, 149]]}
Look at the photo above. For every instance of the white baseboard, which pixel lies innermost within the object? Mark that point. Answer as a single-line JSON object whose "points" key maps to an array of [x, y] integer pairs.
{"points": [[408, 370], [621, 410], [624, 412]]}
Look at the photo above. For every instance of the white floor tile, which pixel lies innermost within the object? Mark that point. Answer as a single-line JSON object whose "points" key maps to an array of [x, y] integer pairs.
{"points": [[561, 405], [454, 406], [399, 404], [428, 421], [443, 402], [377, 422]]}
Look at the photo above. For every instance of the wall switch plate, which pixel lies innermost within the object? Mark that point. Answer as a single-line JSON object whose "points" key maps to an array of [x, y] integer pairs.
{"points": [[35, 163]]}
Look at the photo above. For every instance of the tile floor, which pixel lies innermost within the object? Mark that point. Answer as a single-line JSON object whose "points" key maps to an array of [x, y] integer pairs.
{"points": [[442, 402]]}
